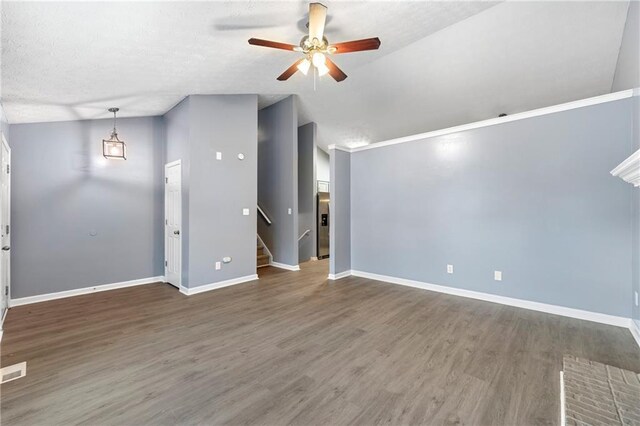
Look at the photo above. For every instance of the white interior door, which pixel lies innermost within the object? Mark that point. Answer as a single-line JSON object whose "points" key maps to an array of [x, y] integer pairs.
{"points": [[5, 224], [173, 223]]}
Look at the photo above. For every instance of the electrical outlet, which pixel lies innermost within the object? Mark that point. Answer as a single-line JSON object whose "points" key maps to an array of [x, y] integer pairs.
{"points": [[218, 156], [636, 293], [288, 211], [497, 275], [218, 266], [245, 212], [449, 269]]}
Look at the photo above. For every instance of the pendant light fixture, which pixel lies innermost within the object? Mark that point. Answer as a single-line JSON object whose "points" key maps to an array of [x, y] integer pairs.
{"points": [[113, 148]]}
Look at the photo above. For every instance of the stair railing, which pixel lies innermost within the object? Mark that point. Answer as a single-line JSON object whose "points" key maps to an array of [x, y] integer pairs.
{"points": [[304, 234], [264, 215]]}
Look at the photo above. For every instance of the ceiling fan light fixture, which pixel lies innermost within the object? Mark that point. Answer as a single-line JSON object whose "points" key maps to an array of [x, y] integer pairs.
{"points": [[318, 59], [304, 66], [322, 69], [315, 47]]}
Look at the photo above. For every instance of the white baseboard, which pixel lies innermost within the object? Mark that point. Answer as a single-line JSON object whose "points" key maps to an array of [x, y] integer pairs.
{"points": [[285, 266], [313, 258], [80, 291], [563, 415], [208, 287], [635, 331], [503, 300], [339, 275], [4, 316]]}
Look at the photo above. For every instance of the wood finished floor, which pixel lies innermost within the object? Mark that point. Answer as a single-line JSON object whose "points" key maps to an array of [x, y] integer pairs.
{"points": [[293, 348]]}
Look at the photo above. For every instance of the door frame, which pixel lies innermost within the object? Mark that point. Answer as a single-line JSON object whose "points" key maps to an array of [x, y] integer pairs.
{"points": [[8, 223], [164, 227]]}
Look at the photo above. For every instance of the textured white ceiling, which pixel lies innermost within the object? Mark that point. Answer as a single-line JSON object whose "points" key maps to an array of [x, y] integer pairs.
{"points": [[440, 63]]}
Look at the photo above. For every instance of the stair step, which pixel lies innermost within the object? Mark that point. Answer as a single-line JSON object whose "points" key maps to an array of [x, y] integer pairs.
{"points": [[263, 259]]}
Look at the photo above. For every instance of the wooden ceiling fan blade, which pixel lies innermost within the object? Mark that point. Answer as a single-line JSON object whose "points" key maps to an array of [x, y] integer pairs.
{"points": [[355, 46], [335, 72], [317, 20], [272, 44], [290, 71]]}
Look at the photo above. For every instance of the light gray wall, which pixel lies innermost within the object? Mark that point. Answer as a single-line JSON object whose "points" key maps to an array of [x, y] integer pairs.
{"points": [[322, 166], [636, 217], [177, 125], [340, 235], [63, 191], [307, 191], [532, 198], [214, 192], [220, 189], [627, 75], [278, 179]]}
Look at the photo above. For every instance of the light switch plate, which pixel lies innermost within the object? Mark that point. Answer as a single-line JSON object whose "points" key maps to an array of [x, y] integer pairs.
{"points": [[497, 275], [636, 298], [245, 212], [289, 211], [449, 269], [218, 266], [218, 156]]}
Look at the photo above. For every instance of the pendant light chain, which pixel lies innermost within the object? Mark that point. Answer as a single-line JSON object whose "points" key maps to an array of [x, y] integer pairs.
{"points": [[114, 111]]}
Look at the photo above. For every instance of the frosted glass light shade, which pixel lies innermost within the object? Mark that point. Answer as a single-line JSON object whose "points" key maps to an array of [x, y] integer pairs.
{"points": [[303, 66], [318, 59], [322, 70], [114, 149]]}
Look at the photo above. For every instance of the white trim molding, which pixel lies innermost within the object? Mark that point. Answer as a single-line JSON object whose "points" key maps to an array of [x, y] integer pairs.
{"points": [[503, 300], [629, 169], [339, 148], [563, 411], [339, 275], [610, 97], [80, 291], [635, 331], [285, 266], [190, 291]]}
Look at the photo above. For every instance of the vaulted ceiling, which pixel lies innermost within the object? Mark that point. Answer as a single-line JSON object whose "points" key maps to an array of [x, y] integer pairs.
{"points": [[440, 63]]}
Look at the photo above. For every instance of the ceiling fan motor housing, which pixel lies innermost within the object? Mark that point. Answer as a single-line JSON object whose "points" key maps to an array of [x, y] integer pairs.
{"points": [[308, 45]]}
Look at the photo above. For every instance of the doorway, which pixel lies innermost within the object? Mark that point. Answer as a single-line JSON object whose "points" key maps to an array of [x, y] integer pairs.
{"points": [[173, 223], [5, 227]]}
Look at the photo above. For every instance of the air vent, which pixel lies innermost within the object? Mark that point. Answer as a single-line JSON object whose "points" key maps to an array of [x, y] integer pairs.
{"points": [[13, 372]]}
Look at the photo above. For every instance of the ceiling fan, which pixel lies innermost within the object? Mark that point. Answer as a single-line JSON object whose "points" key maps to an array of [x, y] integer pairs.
{"points": [[315, 47]]}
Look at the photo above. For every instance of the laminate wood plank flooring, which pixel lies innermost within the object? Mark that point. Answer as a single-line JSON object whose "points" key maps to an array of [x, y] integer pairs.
{"points": [[293, 348]]}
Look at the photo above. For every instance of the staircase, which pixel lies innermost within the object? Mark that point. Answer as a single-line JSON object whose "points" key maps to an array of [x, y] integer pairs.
{"points": [[262, 255]]}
